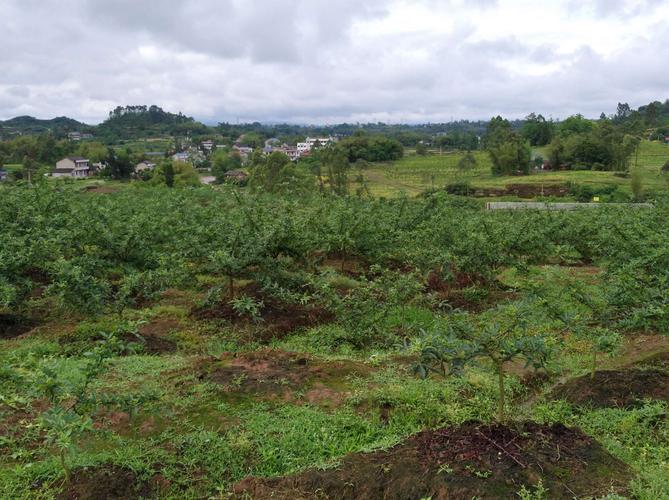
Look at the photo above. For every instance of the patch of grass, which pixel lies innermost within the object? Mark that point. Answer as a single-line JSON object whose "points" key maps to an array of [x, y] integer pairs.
{"points": [[414, 174]]}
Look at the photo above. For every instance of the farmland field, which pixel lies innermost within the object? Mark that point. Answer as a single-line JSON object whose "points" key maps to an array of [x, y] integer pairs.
{"points": [[206, 343], [414, 174]]}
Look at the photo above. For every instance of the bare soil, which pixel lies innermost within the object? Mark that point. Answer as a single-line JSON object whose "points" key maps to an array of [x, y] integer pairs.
{"points": [[459, 292], [615, 388], [151, 343], [12, 326], [101, 189], [151, 340], [471, 461], [108, 482], [277, 318], [279, 375]]}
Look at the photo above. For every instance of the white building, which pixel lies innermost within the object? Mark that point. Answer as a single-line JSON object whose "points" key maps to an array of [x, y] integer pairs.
{"points": [[180, 156], [311, 142], [323, 141], [72, 166]]}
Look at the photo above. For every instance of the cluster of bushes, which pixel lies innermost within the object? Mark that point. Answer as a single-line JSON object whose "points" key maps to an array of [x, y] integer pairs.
{"points": [[362, 146], [588, 145], [585, 193]]}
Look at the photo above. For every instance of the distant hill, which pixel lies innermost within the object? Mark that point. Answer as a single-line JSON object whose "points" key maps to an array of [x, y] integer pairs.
{"points": [[22, 125], [131, 122]]}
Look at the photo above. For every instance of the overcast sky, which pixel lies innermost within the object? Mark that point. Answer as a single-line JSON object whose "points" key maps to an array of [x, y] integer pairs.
{"points": [[324, 61]]}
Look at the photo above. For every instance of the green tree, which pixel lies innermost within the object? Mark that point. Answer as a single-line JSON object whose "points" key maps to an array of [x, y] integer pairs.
{"points": [[537, 130], [275, 173], [509, 152], [501, 340], [337, 167], [223, 162], [575, 124], [29, 168], [467, 163], [556, 153], [168, 172], [119, 164]]}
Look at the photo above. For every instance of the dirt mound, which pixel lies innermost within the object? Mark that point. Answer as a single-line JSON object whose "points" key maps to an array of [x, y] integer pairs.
{"points": [[275, 318], [615, 388], [273, 374], [471, 461], [144, 342], [104, 483], [97, 189], [659, 361], [12, 326], [467, 292], [150, 343]]}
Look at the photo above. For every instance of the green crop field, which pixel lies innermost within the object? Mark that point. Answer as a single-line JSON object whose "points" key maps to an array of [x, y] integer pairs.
{"points": [[414, 174], [214, 343]]}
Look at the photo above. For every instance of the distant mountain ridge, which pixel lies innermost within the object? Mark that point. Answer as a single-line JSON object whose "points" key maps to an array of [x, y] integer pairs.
{"points": [[31, 125]]}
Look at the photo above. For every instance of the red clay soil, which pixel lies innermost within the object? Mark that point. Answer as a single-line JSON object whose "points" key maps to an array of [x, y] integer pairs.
{"points": [[471, 461], [524, 191], [277, 318], [615, 388], [279, 375], [108, 482]]}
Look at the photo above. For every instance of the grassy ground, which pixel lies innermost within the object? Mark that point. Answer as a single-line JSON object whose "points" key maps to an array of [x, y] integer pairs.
{"points": [[146, 145], [190, 432], [414, 174]]}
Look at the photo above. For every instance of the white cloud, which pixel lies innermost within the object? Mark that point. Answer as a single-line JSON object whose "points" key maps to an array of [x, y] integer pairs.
{"points": [[321, 60]]}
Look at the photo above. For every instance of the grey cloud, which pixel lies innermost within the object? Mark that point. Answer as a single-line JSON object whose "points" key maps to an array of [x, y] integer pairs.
{"points": [[297, 60]]}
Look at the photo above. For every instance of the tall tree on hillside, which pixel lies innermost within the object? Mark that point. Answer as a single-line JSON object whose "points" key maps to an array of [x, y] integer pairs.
{"points": [[651, 114], [623, 111]]}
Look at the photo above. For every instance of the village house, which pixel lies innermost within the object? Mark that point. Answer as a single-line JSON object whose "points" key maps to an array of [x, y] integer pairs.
{"points": [[207, 146], [72, 166], [292, 153], [181, 156], [311, 142], [243, 151], [78, 136], [144, 166]]}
